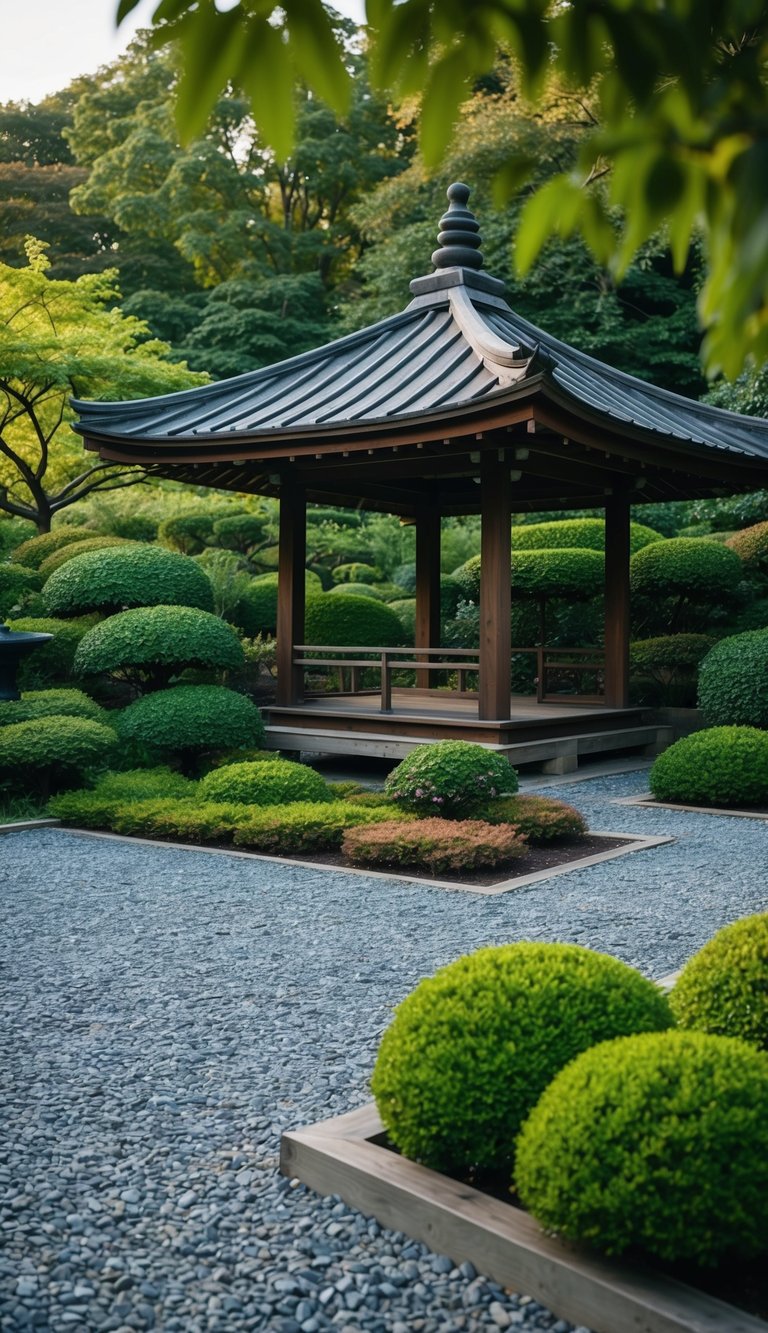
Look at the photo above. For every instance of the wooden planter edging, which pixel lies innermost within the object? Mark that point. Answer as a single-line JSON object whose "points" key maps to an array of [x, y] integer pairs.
{"points": [[23, 824], [338, 1157], [634, 843], [650, 803]]}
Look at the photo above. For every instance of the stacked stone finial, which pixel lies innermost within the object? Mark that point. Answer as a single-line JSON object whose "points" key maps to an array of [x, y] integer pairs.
{"points": [[459, 235]]}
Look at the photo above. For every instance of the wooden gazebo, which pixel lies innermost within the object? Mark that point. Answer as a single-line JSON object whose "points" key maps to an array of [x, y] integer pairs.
{"points": [[454, 406]]}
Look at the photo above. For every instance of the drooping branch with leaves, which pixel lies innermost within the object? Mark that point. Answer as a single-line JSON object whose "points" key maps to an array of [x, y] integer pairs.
{"points": [[60, 339]]}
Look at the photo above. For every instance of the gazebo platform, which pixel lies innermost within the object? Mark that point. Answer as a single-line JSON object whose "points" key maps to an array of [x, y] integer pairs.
{"points": [[551, 735]]}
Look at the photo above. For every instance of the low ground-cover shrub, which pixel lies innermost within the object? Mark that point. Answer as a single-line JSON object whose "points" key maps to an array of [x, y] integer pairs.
{"points": [[190, 720], [125, 576], [541, 818], [151, 644], [36, 549], [50, 752], [718, 766], [18, 585], [658, 1141], [51, 703], [439, 845], [97, 806], [733, 681], [305, 826], [724, 988], [470, 1051], [51, 662], [266, 782], [185, 820], [450, 778]]}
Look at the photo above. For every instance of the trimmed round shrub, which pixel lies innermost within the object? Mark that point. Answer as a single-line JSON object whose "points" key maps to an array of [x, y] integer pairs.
{"points": [[356, 572], [751, 546], [717, 766], [267, 782], [541, 818], [52, 661], [192, 718], [155, 643], [187, 533], [689, 568], [450, 778], [587, 533], [405, 610], [49, 752], [724, 988], [351, 622], [34, 551], [441, 846], [565, 572], [669, 656], [357, 590], [51, 703], [239, 532], [471, 1049], [733, 680], [62, 557], [17, 584], [127, 576], [256, 611], [657, 1141]]}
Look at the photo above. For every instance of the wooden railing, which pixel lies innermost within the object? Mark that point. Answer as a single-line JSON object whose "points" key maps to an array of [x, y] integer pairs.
{"points": [[348, 663]]}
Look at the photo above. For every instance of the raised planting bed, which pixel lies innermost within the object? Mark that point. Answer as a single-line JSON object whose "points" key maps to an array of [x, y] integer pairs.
{"points": [[348, 1156], [557, 859], [650, 803]]}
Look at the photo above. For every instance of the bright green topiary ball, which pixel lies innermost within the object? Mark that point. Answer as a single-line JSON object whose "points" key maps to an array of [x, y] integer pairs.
{"points": [[355, 622], [587, 533], [36, 549], [156, 641], [54, 750], [51, 703], [450, 778], [268, 782], [356, 590], [563, 572], [717, 766], [470, 1051], [691, 567], [658, 1141], [192, 718], [66, 553], [733, 681], [127, 576], [724, 988]]}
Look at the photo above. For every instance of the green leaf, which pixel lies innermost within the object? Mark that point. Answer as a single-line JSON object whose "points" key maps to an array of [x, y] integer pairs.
{"points": [[316, 52], [124, 8], [552, 210], [445, 91], [210, 42], [265, 74]]}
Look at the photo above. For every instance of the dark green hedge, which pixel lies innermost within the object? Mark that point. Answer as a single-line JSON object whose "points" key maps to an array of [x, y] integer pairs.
{"points": [[187, 533], [351, 622], [576, 532], [733, 681], [567, 572], [18, 583], [127, 576], [356, 572], [48, 752], [669, 655], [51, 703], [156, 642], [719, 766], [192, 718], [690, 567], [53, 662]]}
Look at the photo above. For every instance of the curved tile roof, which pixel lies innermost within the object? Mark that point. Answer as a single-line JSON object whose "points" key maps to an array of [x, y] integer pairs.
{"points": [[456, 344]]}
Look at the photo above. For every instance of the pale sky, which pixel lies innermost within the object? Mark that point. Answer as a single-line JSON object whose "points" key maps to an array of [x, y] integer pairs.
{"points": [[44, 44]]}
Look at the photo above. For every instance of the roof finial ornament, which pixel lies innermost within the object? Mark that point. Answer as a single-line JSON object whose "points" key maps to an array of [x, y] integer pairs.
{"points": [[459, 235]]}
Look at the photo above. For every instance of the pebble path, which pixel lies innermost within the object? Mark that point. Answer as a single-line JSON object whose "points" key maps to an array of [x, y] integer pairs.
{"points": [[166, 1014]]}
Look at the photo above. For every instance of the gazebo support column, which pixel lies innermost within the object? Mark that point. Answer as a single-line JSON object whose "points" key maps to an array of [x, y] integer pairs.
{"points": [[617, 602], [427, 587], [495, 600], [291, 593]]}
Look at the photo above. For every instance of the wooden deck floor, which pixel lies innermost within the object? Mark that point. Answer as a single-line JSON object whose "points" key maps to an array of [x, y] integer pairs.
{"points": [[437, 706]]}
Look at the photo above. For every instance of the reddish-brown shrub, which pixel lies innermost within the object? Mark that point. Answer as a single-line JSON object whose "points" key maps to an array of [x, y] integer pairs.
{"points": [[751, 545], [435, 844]]}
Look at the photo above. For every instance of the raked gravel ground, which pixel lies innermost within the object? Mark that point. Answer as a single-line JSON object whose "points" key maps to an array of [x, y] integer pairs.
{"points": [[167, 1013]]}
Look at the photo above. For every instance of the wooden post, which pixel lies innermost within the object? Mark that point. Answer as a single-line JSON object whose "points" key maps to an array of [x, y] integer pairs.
{"points": [[617, 602], [495, 598], [427, 587], [291, 593]]}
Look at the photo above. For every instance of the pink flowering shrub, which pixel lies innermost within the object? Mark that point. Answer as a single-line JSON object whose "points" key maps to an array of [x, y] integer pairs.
{"points": [[452, 779], [438, 845]]}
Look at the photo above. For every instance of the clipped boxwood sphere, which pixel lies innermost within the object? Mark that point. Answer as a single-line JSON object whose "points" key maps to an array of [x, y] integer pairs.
{"points": [[691, 567], [470, 1051], [356, 572], [733, 680], [724, 987], [66, 553], [357, 590], [351, 622], [450, 778], [658, 1141], [159, 640], [267, 782], [54, 749], [51, 703], [34, 551], [669, 653], [563, 572], [718, 766], [17, 584], [588, 533], [192, 718], [125, 576]]}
